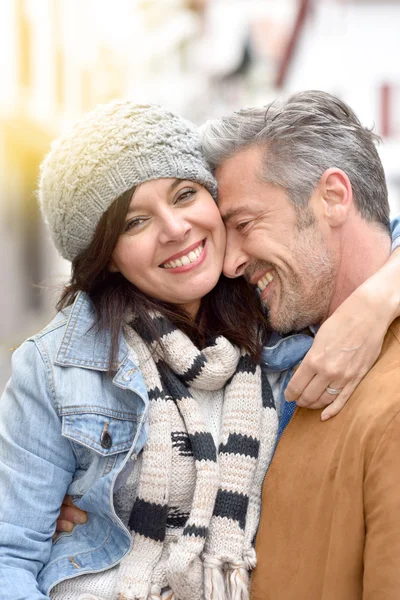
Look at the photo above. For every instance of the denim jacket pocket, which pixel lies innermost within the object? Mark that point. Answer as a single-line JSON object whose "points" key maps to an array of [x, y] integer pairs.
{"points": [[104, 434]]}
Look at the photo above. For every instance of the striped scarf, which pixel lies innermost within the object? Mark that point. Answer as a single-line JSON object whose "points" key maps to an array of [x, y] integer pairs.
{"points": [[212, 556]]}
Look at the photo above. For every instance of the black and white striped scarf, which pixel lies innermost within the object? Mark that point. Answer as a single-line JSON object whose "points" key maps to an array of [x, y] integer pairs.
{"points": [[212, 556]]}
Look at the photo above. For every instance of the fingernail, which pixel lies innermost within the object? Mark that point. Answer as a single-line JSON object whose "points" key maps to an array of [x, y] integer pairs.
{"points": [[81, 519]]}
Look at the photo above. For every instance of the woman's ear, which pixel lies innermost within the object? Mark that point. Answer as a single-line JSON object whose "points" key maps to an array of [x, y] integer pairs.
{"points": [[112, 267]]}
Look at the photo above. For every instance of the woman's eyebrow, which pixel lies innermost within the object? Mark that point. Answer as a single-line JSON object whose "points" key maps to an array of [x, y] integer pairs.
{"points": [[173, 185]]}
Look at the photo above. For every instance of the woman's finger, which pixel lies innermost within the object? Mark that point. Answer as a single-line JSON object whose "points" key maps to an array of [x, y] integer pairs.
{"points": [[300, 379], [72, 514], [64, 526], [313, 393], [336, 406], [67, 500], [326, 398]]}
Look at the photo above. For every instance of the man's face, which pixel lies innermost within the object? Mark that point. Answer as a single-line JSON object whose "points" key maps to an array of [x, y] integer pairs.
{"points": [[287, 259]]}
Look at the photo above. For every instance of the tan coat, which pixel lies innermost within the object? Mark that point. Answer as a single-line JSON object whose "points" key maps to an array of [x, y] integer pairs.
{"points": [[330, 522]]}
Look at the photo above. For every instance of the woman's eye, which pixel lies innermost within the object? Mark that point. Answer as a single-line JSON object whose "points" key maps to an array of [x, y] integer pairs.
{"points": [[133, 223], [186, 194]]}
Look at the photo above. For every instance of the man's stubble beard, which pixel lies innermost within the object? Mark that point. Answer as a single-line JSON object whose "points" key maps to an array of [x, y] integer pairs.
{"points": [[305, 296]]}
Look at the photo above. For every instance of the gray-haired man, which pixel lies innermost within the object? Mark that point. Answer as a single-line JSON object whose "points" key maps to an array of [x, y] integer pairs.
{"points": [[302, 192]]}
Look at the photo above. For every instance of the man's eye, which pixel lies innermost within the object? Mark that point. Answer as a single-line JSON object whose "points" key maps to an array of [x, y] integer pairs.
{"points": [[241, 226]]}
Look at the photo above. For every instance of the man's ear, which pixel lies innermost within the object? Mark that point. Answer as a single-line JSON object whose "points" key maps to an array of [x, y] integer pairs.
{"points": [[336, 195]]}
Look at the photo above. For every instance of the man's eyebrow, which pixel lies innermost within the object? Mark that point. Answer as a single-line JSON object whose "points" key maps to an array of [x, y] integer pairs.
{"points": [[233, 212]]}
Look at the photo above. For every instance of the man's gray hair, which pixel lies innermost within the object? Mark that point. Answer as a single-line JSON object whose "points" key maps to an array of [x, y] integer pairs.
{"points": [[303, 137]]}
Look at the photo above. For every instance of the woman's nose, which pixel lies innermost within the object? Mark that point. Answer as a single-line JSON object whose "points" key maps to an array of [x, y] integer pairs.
{"points": [[235, 260], [174, 228]]}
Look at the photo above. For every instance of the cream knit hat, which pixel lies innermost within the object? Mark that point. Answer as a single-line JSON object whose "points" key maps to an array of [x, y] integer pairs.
{"points": [[107, 152]]}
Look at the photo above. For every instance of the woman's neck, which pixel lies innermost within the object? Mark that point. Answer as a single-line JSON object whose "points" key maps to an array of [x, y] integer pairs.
{"points": [[191, 308]]}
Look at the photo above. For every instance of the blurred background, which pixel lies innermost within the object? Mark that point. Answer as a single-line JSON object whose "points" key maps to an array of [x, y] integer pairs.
{"points": [[200, 58]]}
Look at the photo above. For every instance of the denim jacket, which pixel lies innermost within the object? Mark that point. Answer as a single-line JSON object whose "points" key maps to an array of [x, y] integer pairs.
{"points": [[65, 427]]}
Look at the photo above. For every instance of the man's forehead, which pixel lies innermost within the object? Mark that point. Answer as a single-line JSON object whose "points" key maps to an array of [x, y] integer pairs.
{"points": [[248, 158], [239, 182]]}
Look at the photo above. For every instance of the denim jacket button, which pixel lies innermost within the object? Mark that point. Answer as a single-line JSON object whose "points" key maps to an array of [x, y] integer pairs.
{"points": [[106, 440]]}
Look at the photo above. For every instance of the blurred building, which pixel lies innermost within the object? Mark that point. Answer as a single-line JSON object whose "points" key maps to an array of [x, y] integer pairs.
{"points": [[350, 48], [52, 69]]}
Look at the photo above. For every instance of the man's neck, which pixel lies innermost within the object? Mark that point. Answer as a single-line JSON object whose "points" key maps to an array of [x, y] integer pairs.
{"points": [[363, 250]]}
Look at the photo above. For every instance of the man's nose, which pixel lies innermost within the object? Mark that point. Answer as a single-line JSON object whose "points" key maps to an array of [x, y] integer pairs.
{"points": [[235, 260]]}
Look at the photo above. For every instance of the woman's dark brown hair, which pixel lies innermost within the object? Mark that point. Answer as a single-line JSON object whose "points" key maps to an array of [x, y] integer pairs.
{"points": [[230, 309]]}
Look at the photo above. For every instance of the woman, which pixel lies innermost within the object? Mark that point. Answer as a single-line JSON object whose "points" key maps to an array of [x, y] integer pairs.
{"points": [[143, 397]]}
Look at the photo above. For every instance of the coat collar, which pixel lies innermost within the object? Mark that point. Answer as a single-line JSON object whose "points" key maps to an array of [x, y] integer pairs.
{"points": [[83, 345]]}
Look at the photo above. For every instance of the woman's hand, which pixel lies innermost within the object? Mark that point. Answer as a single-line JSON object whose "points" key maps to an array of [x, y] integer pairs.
{"points": [[69, 516], [348, 343]]}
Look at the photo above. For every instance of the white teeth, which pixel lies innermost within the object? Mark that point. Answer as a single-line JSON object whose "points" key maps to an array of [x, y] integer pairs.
{"points": [[185, 260], [264, 281]]}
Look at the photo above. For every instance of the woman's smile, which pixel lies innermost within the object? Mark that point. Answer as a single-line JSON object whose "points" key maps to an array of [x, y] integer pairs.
{"points": [[172, 229], [188, 259]]}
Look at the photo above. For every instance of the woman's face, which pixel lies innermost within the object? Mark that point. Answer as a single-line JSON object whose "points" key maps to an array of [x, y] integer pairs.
{"points": [[173, 243]]}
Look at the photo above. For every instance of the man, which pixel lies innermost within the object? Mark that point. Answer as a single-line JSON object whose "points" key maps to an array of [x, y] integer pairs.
{"points": [[303, 195]]}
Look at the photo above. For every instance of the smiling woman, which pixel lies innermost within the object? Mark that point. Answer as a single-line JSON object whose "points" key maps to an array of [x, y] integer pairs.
{"points": [[147, 381], [163, 217]]}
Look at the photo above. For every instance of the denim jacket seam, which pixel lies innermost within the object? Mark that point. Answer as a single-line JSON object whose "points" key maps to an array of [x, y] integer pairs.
{"points": [[82, 361], [75, 453], [110, 464], [71, 325], [43, 353], [98, 410], [47, 330]]}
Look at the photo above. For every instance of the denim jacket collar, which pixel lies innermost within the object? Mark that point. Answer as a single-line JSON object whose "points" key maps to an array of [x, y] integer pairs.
{"points": [[83, 345], [286, 352]]}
